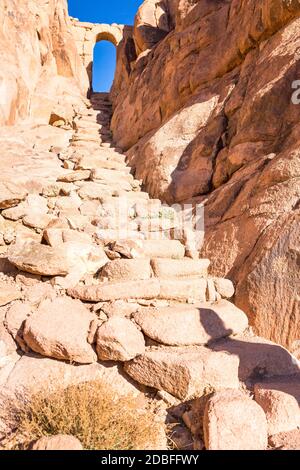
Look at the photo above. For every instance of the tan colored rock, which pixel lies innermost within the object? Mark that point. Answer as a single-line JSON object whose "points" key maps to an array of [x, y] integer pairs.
{"points": [[275, 250], [83, 258], [38, 221], [109, 235], [106, 291], [184, 372], [151, 25], [33, 373], [8, 346], [224, 287], [286, 440], [56, 236], [15, 213], [57, 442], [74, 176], [233, 421], [15, 318], [111, 175], [280, 401], [120, 308], [118, 339], [128, 248], [163, 249], [38, 80], [183, 289], [93, 191], [38, 292], [89, 162], [11, 194], [59, 329], [188, 325], [40, 259], [8, 293], [174, 269], [126, 270]]}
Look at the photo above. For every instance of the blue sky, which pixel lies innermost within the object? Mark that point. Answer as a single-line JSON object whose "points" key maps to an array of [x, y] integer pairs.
{"points": [[104, 11]]}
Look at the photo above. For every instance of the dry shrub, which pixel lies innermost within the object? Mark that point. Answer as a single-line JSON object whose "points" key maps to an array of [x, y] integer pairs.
{"points": [[91, 412]]}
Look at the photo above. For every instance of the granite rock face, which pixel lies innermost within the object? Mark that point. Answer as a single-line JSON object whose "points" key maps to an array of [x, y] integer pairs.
{"points": [[212, 115], [42, 75]]}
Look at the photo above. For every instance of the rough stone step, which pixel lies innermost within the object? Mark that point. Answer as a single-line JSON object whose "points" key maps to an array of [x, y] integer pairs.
{"points": [[85, 124], [174, 269], [73, 176], [186, 325], [84, 146], [126, 270], [108, 291], [110, 192], [186, 290], [94, 121], [94, 191], [159, 224], [108, 222], [97, 136], [185, 371], [163, 249], [111, 176], [183, 290], [149, 207], [90, 162], [135, 196], [116, 184], [90, 130], [107, 235]]}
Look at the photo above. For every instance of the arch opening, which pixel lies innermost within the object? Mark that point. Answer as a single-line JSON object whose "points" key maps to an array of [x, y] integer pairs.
{"points": [[104, 64]]}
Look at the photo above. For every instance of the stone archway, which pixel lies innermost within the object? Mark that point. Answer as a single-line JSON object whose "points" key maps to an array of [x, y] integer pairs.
{"points": [[88, 34]]}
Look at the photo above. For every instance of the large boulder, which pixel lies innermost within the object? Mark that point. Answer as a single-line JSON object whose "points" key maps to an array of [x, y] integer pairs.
{"points": [[40, 259], [280, 401], [233, 421], [33, 373], [70, 257], [60, 329], [188, 325], [105, 291], [184, 371], [151, 24], [45, 69], [118, 339]]}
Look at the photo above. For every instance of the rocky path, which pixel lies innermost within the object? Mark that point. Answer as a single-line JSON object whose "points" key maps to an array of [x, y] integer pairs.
{"points": [[95, 286]]}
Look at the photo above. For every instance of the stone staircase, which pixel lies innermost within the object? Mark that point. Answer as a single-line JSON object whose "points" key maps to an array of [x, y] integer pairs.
{"points": [[103, 280]]}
